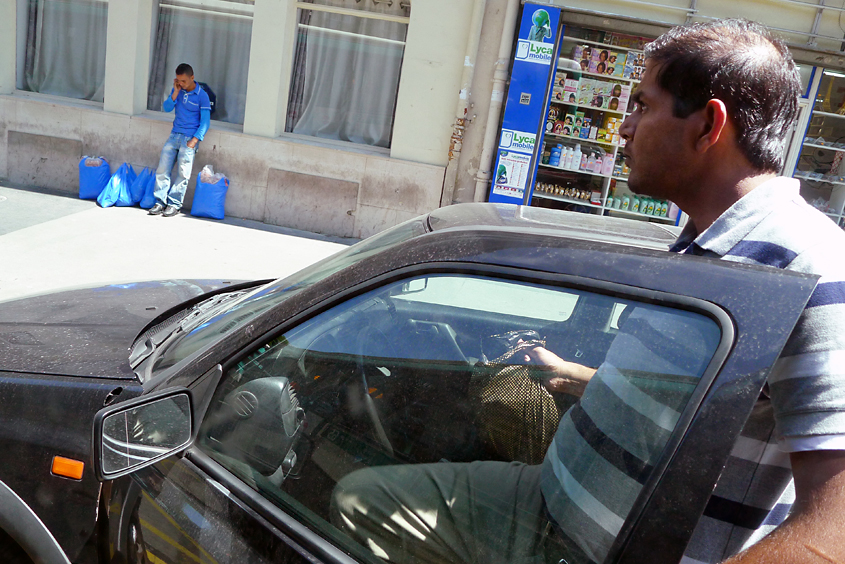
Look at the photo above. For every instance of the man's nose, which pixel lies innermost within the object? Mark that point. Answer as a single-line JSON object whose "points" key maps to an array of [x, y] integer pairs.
{"points": [[626, 130]]}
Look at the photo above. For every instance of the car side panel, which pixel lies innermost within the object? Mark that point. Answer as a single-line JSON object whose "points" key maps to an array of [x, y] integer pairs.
{"points": [[174, 513], [46, 416], [19, 521]]}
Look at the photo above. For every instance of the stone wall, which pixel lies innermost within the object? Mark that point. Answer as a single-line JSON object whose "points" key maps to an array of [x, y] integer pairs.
{"points": [[293, 182]]}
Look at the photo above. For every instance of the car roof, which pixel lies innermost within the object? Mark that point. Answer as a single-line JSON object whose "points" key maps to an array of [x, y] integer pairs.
{"points": [[576, 225]]}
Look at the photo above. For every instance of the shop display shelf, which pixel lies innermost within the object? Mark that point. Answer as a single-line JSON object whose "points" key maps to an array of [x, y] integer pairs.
{"points": [[597, 44], [622, 178], [556, 197], [643, 215], [809, 179], [607, 76], [586, 107], [581, 140], [828, 114], [560, 168], [828, 147]]}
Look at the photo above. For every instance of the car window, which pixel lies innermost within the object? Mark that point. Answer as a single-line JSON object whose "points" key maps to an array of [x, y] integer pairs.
{"points": [[434, 372], [486, 295], [273, 294]]}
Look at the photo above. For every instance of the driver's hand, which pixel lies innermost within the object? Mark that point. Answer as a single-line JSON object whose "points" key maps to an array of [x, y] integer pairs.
{"points": [[559, 375]]}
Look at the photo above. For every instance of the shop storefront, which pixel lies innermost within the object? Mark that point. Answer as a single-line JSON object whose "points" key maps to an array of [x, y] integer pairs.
{"points": [[820, 159], [560, 145]]}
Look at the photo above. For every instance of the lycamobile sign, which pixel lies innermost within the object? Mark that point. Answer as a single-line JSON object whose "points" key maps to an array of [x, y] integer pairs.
{"points": [[518, 141], [534, 52]]}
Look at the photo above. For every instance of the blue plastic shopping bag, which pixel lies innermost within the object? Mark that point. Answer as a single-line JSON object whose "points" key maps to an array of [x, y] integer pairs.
{"points": [[210, 194], [124, 195], [148, 199], [94, 174], [117, 189], [139, 187]]}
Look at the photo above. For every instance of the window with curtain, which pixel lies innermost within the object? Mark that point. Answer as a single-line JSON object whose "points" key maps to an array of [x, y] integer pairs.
{"points": [[346, 69], [214, 38], [61, 47]]}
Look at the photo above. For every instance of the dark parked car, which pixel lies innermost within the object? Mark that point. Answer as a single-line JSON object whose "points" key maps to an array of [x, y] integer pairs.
{"points": [[226, 421]]}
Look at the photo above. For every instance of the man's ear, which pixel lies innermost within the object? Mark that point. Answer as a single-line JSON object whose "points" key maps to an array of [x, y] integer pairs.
{"points": [[714, 118]]}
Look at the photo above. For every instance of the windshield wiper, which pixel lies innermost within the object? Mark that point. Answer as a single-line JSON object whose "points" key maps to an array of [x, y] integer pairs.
{"points": [[182, 321]]}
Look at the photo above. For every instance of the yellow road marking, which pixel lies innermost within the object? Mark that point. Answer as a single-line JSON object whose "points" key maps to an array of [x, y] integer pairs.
{"points": [[154, 559], [176, 525], [169, 541]]}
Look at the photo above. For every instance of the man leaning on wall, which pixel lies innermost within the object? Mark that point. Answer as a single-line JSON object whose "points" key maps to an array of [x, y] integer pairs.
{"points": [[193, 116]]}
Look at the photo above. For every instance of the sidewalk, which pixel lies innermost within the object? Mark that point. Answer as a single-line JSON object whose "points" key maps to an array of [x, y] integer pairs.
{"points": [[50, 241]]}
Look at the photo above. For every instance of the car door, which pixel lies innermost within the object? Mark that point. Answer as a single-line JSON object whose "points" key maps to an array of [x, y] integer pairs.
{"points": [[427, 365]]}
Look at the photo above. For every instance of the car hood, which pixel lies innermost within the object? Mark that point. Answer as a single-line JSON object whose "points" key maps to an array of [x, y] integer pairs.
{"points": [[87, 332]]}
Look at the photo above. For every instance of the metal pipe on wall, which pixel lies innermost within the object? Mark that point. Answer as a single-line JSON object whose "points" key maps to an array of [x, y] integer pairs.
{"points": [[500, 78], [458, 128]]}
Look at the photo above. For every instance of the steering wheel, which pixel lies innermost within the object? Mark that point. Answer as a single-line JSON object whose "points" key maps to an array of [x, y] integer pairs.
{"points": [[371, 334]]}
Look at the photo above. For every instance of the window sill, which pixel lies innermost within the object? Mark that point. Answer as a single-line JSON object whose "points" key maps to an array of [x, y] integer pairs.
{"points": [[334, 144], [53, 99], [220, 126], [215, 125]]}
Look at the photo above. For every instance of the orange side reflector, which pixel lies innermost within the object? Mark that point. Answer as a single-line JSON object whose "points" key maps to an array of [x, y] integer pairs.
{"points": [[67, 467]]}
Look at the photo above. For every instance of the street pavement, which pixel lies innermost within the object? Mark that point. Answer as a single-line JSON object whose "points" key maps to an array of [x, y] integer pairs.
{"points": [[50, 241]]}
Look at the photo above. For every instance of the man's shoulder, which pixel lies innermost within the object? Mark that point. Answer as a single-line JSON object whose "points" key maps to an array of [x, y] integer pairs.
{"points": [[202, 94], [809, 237], [817, 241]]}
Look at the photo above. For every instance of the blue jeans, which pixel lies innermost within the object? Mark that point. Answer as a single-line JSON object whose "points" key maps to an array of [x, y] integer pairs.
{"points": [[175, 146]]}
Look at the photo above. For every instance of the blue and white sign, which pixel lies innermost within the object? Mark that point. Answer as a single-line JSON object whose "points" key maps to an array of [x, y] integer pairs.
{"points": [[517, 140], [534, 52], [526, 106]]}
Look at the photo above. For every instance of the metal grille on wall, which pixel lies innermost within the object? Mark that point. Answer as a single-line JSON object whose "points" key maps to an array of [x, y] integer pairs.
{"points": [[815, 32]]}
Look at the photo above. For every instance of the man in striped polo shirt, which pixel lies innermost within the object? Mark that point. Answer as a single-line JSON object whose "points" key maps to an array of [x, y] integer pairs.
{"points": [[709, 131]]}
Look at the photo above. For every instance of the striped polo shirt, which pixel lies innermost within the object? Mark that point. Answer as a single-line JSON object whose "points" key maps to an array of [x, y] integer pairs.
{"points": [[605, 445]]}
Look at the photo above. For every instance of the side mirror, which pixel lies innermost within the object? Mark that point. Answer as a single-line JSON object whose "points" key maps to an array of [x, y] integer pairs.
{"points": [[140, 432]]}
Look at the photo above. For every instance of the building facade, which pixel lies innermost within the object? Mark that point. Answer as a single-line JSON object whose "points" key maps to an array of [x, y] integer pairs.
{"points": [[333, 116], [337, 116]]}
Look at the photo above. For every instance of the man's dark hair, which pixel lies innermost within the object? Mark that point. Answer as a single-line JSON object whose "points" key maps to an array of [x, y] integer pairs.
{"points": [[742, 64], [185, 69]]}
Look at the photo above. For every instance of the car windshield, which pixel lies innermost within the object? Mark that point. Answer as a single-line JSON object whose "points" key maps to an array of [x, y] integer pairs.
{"points": [[266, 297]]}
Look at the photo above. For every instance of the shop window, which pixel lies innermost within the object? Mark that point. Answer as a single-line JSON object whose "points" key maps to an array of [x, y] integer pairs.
{"points": [[214, 38], [581, 167], [346, 69], [821, 164], [61, 47]]}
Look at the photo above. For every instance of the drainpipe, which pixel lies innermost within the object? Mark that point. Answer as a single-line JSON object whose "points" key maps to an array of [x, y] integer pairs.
{"points": [[461, 120], [500, 78]]}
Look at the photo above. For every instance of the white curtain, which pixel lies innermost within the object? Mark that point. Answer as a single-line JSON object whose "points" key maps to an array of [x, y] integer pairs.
{"points": [[64, 50], [216, 45], [346, 73]]}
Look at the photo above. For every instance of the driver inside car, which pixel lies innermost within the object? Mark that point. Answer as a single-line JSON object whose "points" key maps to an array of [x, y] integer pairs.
{"points": [[497, 511]]}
